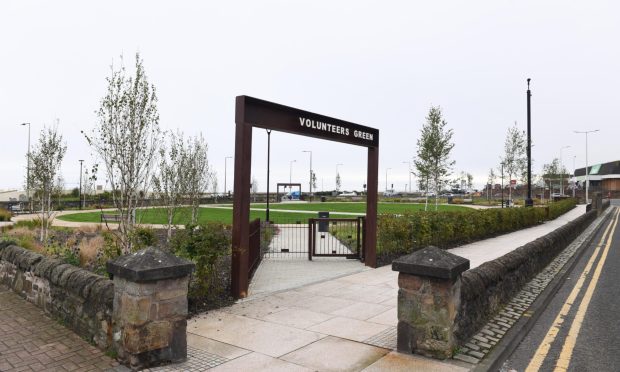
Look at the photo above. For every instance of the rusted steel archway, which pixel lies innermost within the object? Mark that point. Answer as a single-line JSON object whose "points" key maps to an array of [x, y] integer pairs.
{"points": [[252, 112]]}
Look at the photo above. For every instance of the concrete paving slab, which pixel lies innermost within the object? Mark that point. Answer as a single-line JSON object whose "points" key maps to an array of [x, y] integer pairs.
{"points": [[351, 329], [398, 362], [336, 354], [361, 311], [259, 362], [215, 347], [324, 304], [389, 317], [298, 318], [264, 337]]}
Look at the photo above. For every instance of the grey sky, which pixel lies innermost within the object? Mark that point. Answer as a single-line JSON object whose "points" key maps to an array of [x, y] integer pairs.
{"points": [[380, 64]]}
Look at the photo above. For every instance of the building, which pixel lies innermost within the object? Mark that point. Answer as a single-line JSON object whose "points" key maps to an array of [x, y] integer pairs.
{"points": [[603, 177]]}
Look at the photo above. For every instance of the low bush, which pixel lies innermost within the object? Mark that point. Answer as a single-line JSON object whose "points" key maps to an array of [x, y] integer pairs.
{"points": [[559, 208], [5, 215], [403, 234], [208, 245]]}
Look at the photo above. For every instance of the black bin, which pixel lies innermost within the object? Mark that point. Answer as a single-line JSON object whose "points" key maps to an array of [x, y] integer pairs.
{"points": [[323, 225], [450, 199], [323, 199]]}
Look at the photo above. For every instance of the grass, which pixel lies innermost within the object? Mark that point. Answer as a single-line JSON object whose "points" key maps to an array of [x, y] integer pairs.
{"points": [[359, 207], [158, 216]]}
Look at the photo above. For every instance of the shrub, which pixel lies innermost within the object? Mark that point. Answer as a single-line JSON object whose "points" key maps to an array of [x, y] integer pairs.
{"points": [[402, 234], [206, 245], [5, 215], [557, 209], [143, 237]]}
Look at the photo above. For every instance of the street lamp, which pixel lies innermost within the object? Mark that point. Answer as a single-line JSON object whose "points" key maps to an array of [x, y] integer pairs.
{"points": [[503, 184], [28, 166], [562, 171], [587, 173], [386, 182], [310, 182], [225, 168], [574, 179], [80, 192], [268, 160], [337, 174], [408, 162], [528, 202]]}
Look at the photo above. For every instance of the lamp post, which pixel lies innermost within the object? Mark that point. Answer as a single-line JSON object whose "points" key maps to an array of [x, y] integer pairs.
{"points": [[337, 175], [562, 171], [28, 167], [290, 173], [268, 160], [587, 173], [80, 192], [408, 162], [528, 202], [386, 181], [225, 168], [310, 182]]}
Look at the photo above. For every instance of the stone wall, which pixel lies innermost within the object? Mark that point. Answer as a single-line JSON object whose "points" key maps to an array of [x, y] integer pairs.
{"points": [[82, 300], [486, 288]]}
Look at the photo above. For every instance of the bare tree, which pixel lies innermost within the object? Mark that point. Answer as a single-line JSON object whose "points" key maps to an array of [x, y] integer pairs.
{"points": [[127, 138], [338, 182], [45, 161], [214, 186], [254, 187], [196, 169], [168, 183], [490, 181]]}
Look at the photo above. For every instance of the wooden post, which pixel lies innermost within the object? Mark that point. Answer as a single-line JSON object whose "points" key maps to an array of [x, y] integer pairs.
{"points": [[370, 239]]}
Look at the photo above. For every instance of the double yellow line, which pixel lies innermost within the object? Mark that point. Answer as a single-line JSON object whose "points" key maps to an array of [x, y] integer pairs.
{"points": [[570, 341]]}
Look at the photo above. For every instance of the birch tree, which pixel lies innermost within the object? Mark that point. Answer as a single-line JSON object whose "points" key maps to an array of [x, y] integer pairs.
{"points": [[197, 172], [515, 158], [433, 154], [126, 138], [168, 182], [490, 181], [45, 162]]}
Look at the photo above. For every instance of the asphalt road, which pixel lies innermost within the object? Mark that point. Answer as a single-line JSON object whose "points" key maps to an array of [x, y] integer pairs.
{"points": [[580, 329]]}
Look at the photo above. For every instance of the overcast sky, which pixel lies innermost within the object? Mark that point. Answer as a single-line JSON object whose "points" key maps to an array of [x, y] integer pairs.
{"points": [[380, 64]]}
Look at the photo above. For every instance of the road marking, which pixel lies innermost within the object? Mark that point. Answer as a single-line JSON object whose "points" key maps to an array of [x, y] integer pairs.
{"points": [[554, 329], [571, 339]]}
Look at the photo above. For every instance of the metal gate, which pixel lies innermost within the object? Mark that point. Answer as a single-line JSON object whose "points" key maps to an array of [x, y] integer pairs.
{"points": [[319, 237], [336, 237]]}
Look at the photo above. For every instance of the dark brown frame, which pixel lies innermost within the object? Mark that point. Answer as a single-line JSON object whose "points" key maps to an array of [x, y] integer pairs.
{"points": [[252, 112]]}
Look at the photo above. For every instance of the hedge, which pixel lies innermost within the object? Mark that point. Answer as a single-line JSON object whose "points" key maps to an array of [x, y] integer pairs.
{"points": [[406, 233]]}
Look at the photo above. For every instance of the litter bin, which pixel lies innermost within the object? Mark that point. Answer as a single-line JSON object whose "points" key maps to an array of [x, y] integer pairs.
{"points": [[450, 198], [323, 199], [323, 225]]}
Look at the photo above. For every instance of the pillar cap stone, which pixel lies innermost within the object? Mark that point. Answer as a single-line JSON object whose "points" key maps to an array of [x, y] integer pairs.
{"points": [[149, 264], [431, 262]]}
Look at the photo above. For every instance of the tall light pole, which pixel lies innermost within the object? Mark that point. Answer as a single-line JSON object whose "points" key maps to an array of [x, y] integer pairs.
{"points": [[574, 179], [503, 184], [386, 182], [225, 168], [268, 160], [408, 162], [290, 173], [310, 182], [562, 171], [28, 166], [337, 175], [587, 173], [80, 192], [528, 202]]}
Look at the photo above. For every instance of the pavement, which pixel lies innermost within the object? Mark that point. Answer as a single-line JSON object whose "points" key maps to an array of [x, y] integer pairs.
{"points": [[31, 341]]}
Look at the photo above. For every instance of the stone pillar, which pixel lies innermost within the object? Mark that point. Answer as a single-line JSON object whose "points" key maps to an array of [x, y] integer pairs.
{"points": [[150, 307], [429, 294]]}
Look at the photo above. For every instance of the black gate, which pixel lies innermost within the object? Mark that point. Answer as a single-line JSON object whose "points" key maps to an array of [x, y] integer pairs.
{"points": [[336, 237], [285, 239]]}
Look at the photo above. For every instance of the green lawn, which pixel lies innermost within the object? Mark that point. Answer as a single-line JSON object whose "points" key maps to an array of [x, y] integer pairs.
{"points": [[358, 207], [158, 216]]}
